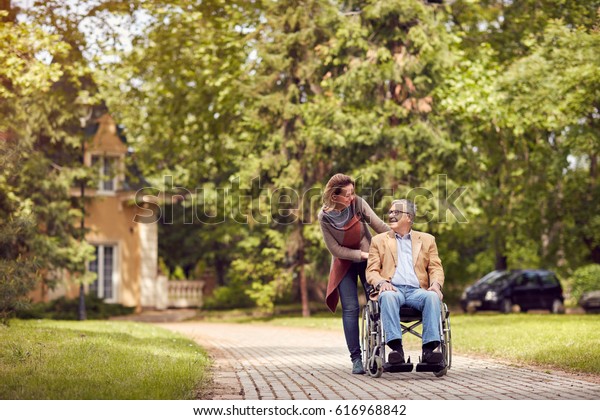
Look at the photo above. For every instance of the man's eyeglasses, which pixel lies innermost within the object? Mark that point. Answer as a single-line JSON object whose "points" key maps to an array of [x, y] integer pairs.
{"points": [[396, 212]]}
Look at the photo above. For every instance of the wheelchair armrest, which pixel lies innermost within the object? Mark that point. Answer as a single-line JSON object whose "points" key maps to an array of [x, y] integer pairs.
{"points": [[371, 292]]}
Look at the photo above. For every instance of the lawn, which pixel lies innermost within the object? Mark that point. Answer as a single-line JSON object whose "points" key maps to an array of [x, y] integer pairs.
{"points": [[45, 359], [568, 342]]}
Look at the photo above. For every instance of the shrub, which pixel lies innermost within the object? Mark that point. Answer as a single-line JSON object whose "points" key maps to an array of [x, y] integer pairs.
{"points": [[229, 297], [16, 280], [33, 311], [178, 274], [585, 279], [67, 309]]}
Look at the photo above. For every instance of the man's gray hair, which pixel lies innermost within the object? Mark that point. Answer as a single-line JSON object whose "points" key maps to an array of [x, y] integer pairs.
{"points": [[409, 206]]}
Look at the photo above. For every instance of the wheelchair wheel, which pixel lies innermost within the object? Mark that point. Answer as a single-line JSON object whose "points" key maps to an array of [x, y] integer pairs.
{"points": [[364, 344], [446, 342], [372, 357], [375, 369]]}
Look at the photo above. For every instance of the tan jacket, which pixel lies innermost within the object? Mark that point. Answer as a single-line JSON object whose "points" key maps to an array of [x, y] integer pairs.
{"points": [[383, 259]]}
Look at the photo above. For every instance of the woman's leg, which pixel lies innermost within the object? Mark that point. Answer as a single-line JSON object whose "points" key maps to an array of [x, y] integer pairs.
{"points": [[361, 269], [350, 310]]}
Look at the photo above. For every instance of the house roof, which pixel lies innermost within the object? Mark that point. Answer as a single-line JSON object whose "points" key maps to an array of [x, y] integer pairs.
{"points": [[107, 137]]}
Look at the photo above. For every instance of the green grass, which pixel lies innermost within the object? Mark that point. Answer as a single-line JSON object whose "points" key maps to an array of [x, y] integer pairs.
{"points": [[98, 360], [568, 342]]}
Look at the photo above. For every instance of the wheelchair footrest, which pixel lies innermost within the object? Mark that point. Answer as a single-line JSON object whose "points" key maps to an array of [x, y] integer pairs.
{"points": [[397, 367], [430, 367]]}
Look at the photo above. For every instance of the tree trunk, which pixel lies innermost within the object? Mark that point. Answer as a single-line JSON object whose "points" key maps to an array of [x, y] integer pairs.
{"points": [[501, 259], [12, 11], [593, 170], [220, 265], [302, 273]]}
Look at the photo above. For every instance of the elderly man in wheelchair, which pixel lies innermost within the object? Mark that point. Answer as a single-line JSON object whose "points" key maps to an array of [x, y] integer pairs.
{"points": [[406, 277]]}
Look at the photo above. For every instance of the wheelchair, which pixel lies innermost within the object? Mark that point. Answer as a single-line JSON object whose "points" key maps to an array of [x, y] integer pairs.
{"points": [[373, 340]]}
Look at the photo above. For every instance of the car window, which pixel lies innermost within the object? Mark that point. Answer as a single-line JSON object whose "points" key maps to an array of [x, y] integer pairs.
{"points": [[549, 279], [491, 277], [496, 280], [527, 279]]}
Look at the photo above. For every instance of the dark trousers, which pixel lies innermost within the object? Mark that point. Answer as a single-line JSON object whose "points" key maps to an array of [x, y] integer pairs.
{"points": [[348, 290]]}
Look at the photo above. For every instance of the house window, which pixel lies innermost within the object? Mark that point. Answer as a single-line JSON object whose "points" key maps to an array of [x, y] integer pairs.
{"points": [[105, 266], [107, 172]]}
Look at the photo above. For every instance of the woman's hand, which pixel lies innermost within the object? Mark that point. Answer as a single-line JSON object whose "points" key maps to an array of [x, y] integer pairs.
{"points": [[364, 255]]}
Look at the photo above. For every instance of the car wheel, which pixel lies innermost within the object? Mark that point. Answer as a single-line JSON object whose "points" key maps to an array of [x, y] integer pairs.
{"points": [[557, 307], [506, 306]]}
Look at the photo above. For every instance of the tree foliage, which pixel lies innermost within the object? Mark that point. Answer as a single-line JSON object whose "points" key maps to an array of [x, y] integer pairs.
{"points": [[484, 112], [526, 105], [412, 100], [585, 279], [39, 84]]}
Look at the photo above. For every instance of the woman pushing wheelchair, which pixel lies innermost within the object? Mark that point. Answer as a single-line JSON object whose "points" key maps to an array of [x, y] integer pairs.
{"points": [[343, 220], [405, 269]]}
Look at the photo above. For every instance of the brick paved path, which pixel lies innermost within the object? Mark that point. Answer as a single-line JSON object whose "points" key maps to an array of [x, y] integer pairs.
{"points": [[259, 362]]}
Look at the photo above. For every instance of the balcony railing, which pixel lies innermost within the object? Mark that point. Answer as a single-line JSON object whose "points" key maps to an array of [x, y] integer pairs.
{"points": [[185, 293]]}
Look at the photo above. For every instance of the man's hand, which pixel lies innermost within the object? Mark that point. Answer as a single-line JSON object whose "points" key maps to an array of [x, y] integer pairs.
{"points": [[364, 255], [386, 286], [435, 287]]}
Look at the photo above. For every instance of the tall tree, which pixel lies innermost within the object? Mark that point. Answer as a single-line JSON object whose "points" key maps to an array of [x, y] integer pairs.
{"points": [[40, 81], [391, 56], [183, 72], [554, 92], [269, 99], [521, 151], [511, 28], [289, 123], [327, 87]]}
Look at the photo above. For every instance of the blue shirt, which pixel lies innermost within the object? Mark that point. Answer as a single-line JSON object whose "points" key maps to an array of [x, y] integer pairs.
{"points": [[405, 271]]}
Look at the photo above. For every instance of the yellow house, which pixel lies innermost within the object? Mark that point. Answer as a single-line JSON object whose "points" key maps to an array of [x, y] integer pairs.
{"points": [[126, 251], [126, 261]]}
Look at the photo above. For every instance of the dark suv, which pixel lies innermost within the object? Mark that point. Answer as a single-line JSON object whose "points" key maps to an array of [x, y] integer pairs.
{"points": [[500, 290]]}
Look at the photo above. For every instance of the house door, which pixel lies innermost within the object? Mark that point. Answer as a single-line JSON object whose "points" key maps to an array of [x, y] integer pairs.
{"points": [[105, 266]]}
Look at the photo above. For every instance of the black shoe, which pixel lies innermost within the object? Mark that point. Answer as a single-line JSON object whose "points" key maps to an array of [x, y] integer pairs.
{"points": [[396, 357], [431, 356]]}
